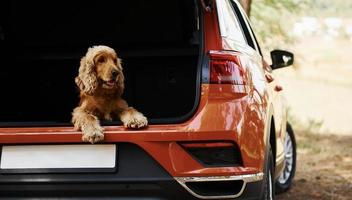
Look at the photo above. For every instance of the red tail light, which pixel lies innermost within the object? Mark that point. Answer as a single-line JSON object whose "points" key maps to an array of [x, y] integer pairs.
{"points": [[226, 68]]}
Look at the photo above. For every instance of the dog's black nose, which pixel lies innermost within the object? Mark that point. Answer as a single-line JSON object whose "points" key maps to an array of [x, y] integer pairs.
{"points": [[114, 74]]}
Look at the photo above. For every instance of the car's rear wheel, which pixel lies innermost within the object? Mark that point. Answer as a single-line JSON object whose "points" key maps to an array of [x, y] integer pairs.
{"points": [[269, 188], [284, 182]]}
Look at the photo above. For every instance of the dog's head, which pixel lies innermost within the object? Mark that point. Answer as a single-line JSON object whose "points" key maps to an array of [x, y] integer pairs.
{"points": [[100, 69]]}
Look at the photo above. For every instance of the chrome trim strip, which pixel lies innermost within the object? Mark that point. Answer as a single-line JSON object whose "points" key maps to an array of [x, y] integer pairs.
{"points": [[245, 178]]}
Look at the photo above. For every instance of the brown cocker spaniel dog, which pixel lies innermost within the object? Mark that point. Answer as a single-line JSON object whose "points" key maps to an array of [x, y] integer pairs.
{"points": [[101, 84]]}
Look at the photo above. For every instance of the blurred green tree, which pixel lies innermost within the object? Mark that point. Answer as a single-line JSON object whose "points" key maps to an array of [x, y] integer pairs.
{"points": [[273, 19]]}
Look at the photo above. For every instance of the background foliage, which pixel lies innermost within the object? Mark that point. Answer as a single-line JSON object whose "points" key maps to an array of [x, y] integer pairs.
{"points": [[273, 20]]}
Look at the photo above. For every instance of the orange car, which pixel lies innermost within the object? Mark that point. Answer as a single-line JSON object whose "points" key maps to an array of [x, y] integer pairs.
{"points": [[218, 126]]}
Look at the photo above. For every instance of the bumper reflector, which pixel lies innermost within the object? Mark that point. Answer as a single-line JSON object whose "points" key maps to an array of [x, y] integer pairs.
{"points": [[214, 154]]}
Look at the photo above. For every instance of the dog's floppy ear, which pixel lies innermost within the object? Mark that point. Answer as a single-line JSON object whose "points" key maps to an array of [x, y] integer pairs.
{"points": [[121, 84], [87, 80], [121, 79]]}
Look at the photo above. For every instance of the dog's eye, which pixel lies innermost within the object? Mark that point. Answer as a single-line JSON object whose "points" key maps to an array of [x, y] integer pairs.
{"points": [[101, 59]]}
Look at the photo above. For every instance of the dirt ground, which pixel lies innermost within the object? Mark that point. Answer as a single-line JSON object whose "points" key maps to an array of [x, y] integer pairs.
{"points": [[324, 168]]}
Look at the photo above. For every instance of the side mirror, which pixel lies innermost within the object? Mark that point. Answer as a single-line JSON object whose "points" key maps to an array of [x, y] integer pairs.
{"points": [[281, 59]]}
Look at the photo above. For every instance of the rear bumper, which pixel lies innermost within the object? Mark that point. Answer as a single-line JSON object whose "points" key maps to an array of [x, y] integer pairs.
{"points": [[138, 176], [154, 190], [162, 145]]}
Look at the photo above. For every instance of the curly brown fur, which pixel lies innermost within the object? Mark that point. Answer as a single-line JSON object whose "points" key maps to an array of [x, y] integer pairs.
{"points": [[101, 84]]}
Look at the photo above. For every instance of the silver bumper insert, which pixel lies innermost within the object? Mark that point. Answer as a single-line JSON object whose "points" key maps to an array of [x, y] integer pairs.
{"points": [[245, 178]]}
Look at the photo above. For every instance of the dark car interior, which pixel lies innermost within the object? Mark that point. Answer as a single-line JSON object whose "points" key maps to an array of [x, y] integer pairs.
{"points": [[41, 43]]}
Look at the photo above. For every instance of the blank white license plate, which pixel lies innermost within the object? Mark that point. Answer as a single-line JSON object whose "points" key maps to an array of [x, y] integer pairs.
{"points": [[58, 157]]}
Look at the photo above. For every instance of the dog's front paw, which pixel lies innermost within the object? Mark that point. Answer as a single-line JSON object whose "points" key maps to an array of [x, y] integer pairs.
{"points": [[136, 121], [93, 135]]}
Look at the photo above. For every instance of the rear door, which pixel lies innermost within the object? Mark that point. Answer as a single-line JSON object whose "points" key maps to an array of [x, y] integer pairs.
{"points": [[238, 37], [274, 91]]}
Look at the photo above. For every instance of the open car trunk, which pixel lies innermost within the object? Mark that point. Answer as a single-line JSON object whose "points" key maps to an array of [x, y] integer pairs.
{"points": [[41, 44]]}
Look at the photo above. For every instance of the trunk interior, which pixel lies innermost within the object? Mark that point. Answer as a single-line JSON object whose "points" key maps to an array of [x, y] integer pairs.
{"points": [[41, 44]]}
